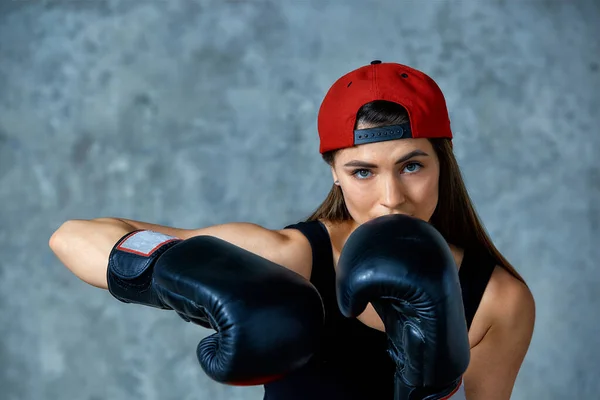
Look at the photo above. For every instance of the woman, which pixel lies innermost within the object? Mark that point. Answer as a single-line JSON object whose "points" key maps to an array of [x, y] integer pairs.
{"points": [[385, 133]]}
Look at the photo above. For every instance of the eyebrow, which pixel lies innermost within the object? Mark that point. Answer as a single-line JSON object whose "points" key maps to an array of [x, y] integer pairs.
{"points": [[363, 164]]}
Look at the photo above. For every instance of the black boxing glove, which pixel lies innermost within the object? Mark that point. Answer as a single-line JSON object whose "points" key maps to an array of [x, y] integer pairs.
{"points": [[405, 269], [267, 318]]}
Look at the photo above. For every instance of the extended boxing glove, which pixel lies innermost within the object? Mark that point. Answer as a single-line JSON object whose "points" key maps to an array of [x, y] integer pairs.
{"points": [[267, 318], [405, 269]]}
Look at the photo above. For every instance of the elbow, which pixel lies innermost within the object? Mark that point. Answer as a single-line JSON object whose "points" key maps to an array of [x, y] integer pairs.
{"points": [[61, 241], [56, 238]]}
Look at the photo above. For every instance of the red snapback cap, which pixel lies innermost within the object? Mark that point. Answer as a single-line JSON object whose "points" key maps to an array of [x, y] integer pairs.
{"points": [[412, 89]]}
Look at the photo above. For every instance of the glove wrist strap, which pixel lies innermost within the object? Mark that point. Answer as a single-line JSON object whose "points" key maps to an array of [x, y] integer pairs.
{"points": [[403, 391], [131, 265]]}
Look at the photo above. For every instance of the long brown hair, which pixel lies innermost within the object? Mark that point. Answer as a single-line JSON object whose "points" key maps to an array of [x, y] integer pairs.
{"points": [[454, 217]]}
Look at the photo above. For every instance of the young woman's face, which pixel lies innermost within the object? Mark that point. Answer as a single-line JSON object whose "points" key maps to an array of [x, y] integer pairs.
{"points": [[392, 177]]}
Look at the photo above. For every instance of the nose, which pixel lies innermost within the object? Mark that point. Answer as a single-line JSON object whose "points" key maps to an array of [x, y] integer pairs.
{"points": [[393, 195]]}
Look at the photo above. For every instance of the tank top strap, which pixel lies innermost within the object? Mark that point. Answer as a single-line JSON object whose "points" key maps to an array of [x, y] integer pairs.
{"points": [[322, 273], [474, 274]]}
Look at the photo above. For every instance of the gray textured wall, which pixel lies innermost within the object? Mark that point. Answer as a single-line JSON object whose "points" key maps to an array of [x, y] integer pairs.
{"points": [[192, 113]]}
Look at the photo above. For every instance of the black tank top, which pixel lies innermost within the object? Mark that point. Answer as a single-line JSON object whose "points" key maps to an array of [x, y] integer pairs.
{"points": [[353, 362]]}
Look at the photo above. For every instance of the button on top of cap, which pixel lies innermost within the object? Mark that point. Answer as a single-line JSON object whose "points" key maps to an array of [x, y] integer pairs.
{"points": [[375, 62]]}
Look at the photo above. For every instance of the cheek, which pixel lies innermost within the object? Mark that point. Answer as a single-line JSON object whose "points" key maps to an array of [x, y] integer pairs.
{"points": [[358, 199], [425, 196]]}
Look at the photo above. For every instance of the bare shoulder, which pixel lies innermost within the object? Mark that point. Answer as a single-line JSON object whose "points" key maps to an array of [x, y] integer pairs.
{"points": [[338, 233], [507, 306], [508, 299], [295, 253]]}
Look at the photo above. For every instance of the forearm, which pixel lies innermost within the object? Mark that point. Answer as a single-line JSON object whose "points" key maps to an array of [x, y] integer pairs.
{"points": [[84, 246]]}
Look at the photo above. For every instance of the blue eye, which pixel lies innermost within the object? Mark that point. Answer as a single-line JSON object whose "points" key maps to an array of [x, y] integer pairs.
{"points": [[412, 167], [361, 173]]}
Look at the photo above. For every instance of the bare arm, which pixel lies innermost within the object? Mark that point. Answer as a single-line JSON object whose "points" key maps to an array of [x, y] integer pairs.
{"points": [[83, 246]]}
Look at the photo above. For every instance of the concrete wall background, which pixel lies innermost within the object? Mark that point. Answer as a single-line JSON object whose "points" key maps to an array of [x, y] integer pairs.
{"points": [[197, 112]]}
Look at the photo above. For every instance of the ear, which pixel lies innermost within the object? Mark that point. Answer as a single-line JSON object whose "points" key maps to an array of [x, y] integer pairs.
{"points": [[334, 175]]}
